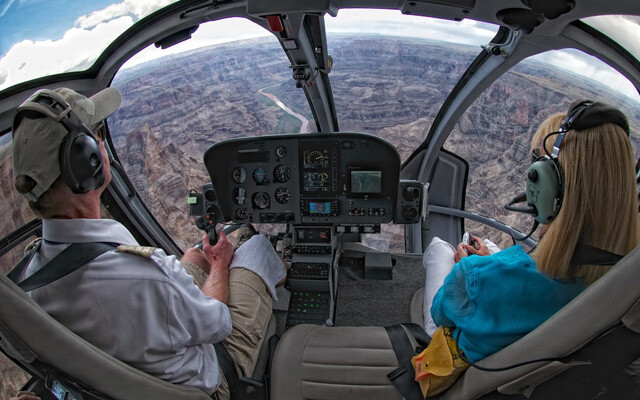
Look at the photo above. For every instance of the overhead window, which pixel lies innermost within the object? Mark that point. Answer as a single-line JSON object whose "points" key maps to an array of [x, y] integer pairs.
{"points": [[41, 38], [624, 29]]}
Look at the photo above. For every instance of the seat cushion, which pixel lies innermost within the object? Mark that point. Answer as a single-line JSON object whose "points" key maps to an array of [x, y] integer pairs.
{"points": [[316, 362], [417, 302]]}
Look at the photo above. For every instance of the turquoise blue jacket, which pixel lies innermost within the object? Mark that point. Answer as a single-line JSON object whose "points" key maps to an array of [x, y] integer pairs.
{"points": [[495, 300]]}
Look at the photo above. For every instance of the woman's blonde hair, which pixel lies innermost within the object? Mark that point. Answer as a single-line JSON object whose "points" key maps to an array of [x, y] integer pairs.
{"points": [[600, 204]]}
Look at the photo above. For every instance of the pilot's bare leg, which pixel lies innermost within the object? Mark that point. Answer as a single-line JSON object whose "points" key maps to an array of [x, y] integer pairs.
{"points": [[250, 305]]}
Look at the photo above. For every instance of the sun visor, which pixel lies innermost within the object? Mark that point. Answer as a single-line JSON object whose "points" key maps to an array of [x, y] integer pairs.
{"points": [[455, 10], [261, 8]]}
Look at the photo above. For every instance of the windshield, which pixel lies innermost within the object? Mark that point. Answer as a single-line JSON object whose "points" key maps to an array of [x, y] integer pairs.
{"points": [[41, 38], [392, 72], [178, 102]]}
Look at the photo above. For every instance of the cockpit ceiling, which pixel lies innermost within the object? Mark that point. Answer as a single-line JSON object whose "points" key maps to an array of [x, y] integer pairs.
{"points": [[112, 30]]}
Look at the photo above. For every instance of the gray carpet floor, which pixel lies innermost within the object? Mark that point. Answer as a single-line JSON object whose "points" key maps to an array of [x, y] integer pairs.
{"points": [[362, 302], [368, 302]]}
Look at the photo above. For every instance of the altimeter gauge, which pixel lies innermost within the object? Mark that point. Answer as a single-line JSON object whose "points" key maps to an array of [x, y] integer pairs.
{"points": [[261, 200], [281, 173], [283, 195]]}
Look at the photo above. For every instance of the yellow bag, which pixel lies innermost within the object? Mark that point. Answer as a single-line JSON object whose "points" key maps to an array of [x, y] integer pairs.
{"points": [[439, 365]]}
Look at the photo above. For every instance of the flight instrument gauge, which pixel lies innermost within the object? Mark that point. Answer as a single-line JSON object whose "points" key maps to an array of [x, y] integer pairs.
{"points": [[261, 200], [239, 175], [241, 213], [315, 158], [281, 151], [260, 176], [281, 173], [282, 195]]}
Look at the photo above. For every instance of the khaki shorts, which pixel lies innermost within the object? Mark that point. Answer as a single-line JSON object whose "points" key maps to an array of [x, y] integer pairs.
{"points": [[250, 305]]}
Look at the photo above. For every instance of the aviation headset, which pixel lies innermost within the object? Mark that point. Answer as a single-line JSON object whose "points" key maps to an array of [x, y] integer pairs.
{"points": [[545, 179], [80, 158]]}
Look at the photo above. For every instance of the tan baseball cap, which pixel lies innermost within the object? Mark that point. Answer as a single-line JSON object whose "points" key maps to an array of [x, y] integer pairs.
{"points": [[37, 140]]}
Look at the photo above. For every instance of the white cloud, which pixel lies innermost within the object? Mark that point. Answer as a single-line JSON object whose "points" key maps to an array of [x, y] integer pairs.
{"points": [[583, 64], [138, 8], [75, 51], [394, 23], [78, 48]]}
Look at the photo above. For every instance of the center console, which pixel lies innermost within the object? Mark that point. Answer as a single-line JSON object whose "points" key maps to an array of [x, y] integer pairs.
{"points": [[323, 185]]}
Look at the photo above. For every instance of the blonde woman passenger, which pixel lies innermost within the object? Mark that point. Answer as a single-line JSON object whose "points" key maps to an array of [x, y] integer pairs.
{"points": [[598, 210]]}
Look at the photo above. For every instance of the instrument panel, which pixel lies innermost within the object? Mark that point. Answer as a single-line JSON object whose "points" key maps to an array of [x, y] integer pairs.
{"points": [[305, 178]]}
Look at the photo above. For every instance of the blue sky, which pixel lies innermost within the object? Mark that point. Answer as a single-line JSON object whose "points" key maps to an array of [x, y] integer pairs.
{"points": [[41, 19]]}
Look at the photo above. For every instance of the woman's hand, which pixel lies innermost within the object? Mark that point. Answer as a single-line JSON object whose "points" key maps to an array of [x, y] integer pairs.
{"points": [[478, 249]]}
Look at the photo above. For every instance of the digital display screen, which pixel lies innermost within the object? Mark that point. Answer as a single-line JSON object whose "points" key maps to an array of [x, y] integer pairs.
{"points": [[319, 161], [366, 181], [320, 207], [316, 182]]}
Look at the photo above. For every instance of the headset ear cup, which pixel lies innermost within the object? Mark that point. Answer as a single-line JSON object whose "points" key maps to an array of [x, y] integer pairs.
{"points": [[81, 163], [544, 189]]}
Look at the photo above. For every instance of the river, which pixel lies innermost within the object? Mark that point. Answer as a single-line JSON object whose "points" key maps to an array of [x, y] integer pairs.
{"points": [[304, 122]]}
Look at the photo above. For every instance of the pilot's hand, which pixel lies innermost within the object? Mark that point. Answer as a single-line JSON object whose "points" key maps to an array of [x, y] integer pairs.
{"points": [[25, 396], [220, 255]]}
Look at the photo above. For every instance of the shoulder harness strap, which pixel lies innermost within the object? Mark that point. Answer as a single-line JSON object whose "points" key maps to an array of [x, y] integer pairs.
{"points": [[70, 259], [403, 376]]}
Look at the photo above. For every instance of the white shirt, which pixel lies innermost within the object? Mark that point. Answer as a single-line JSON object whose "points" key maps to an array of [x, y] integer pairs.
{"points": [[145, 312]]}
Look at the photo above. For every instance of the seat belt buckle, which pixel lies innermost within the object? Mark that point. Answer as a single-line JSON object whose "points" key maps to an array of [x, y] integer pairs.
{"points": [[396, 373]]}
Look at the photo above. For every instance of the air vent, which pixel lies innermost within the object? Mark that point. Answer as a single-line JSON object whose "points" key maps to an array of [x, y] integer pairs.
{"points": [[551, 9], [455, 10], [246, 156], [520, 19]]}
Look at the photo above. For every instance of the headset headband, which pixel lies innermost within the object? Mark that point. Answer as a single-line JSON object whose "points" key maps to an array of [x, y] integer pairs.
{"points": [[587, 114]]}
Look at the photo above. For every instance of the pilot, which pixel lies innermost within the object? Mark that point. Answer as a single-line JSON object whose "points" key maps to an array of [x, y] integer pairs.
{"points": [[136, 303], [492, 300]]}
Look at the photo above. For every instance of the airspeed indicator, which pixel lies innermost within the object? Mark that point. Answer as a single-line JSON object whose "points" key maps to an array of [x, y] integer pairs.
{"points": [[239, 175]]}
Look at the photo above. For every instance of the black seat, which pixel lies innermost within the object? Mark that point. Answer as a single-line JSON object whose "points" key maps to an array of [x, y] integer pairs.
{"points": [[594, 337], [41, 344]]}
